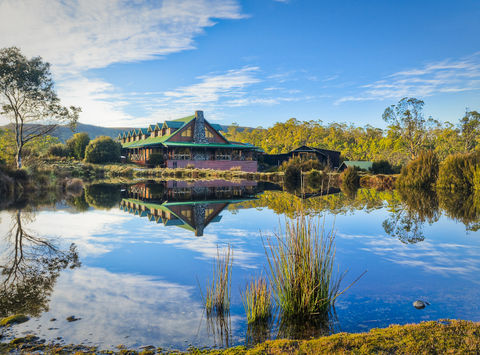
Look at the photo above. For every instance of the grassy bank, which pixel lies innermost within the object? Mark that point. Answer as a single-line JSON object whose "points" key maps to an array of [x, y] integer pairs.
{"points": [[87, 171], [452, 336]]}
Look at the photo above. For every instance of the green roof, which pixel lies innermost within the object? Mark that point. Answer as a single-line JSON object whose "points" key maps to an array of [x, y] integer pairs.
{"points": [[178, 124], [206, 145], [365, 165]]}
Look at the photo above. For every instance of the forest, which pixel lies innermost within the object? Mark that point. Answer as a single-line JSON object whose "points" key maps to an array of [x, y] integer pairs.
{"points": [[408, 133]]}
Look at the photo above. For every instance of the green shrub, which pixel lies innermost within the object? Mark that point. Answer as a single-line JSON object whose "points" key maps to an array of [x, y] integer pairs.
{"points": [[350, 177], [421, 172], [103, 150], [77, 145], [383, 167], [316, 179], [58, 150], [460, 172], [155, 159], [293, 176]]}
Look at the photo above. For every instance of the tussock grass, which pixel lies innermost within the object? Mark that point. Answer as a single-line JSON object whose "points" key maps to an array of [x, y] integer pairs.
{"points": [[301, 268], [257, 301], [217, 297]]}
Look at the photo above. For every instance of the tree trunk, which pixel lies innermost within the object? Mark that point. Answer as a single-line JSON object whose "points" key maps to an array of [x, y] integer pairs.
{"points": [[18, 157]]}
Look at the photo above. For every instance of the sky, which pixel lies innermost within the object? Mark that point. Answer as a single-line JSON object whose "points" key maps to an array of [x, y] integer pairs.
{"points": [[252, 62]]}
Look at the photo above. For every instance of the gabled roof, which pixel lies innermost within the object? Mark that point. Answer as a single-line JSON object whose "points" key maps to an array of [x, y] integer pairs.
{"points": [[143, 131], [178, 124]]}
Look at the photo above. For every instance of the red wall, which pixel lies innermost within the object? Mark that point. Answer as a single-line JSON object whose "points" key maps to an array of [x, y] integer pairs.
{"points": [[245, 165]]}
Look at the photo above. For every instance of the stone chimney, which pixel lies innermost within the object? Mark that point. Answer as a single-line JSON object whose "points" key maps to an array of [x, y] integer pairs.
{"points": [[199, 130]]}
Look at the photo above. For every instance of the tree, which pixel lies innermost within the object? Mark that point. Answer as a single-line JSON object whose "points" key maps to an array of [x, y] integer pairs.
{"points": [[77, 144], [103, 150], [407, 117], [28, 99], [470, 126]]}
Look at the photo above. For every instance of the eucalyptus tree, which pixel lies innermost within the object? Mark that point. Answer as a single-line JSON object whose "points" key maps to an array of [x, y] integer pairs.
{"points": [[408, 119], [470, 127], [28, 99]]}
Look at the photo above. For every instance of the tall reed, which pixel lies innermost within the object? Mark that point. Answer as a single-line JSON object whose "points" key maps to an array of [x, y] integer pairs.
{"points": [[301, 268], [217, 298], [257, 301]]}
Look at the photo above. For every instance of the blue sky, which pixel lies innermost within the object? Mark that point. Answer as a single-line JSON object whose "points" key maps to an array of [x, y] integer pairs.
{"points": [[254, 62]]}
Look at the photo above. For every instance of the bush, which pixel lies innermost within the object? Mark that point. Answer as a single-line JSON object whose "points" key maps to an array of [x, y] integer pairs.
{"points": [[77, 145], [59, 150], [303, 165], [315, 179], [103, 150], [292, 176], [155, 159], [460, 172], [383, 167], [350, 178], [421, 172]]}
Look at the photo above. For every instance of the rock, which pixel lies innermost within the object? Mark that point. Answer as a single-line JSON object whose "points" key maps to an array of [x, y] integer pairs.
{"points": [[72, 319], [53, 319], [418, 304]]}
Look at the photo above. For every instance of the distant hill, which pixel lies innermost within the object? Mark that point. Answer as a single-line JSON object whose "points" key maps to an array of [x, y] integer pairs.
{"points": [[64, 133]]}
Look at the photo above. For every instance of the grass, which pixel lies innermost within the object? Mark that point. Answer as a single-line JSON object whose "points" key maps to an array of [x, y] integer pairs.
{"points": [[257, 301], [217, 297], [441, 337], [301, 268]]}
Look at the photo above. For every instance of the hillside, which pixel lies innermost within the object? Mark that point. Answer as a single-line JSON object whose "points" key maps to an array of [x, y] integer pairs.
{"points": [[64, 133]]}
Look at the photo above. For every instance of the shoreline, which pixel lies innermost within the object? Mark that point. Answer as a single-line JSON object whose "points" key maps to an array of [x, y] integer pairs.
{"points": [[442, 336]]}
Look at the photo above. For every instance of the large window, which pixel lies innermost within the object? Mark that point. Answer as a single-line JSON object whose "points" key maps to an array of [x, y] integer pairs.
{"points": [[208, 133], [187, 132]]}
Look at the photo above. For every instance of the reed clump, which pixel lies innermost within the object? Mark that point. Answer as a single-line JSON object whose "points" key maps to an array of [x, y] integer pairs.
{"points": [[217, 297], [257, 301], [301, 268]]}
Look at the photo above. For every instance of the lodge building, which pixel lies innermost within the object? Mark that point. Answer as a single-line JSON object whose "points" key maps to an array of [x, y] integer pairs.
{"points": [[188, 142]]}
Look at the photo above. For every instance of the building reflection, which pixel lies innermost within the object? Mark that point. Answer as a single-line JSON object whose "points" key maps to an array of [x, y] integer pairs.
{"points": [[185, 204]]}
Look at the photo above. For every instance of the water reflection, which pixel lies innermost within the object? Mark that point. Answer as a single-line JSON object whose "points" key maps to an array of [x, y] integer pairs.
{"points": [[189, 205], [140, 277], [30, 266]]}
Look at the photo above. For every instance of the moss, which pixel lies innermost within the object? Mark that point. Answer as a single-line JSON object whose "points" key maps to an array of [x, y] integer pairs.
{"points": [[450, 336], [15, 319]]}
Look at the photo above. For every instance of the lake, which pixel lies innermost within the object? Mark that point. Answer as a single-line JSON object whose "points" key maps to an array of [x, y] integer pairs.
{"points": [[130, 261]]}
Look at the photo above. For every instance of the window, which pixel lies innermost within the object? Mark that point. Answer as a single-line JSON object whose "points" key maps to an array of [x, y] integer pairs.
{"points": [[187, 132], [223, 155], [181, 154], [208, 133], [187, 213]]}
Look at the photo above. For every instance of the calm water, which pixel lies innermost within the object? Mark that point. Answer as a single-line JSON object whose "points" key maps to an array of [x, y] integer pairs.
{"points": [[146, 249]]}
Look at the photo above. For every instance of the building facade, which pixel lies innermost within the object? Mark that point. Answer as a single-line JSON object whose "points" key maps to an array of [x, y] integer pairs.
{"points": [[188, 142]]}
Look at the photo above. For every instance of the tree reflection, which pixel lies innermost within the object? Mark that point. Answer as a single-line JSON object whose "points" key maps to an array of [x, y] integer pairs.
{"points": [[406, 221], [463, 206], [29, 268]]}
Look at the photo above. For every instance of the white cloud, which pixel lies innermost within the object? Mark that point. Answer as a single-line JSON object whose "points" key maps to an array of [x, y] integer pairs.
{"points": [[76, 36], [123, 308], [448, 76], [79, 35]]}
